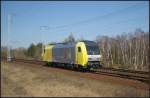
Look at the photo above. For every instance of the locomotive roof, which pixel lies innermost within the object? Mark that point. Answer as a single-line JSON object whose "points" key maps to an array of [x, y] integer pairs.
{"points": [[61, 45], [87, 42]]}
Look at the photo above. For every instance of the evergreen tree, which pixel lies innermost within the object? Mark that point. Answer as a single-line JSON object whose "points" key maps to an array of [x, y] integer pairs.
{"points": [[31, 50]]}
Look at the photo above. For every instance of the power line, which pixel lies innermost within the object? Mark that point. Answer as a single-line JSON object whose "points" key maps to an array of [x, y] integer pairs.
{"points": [[125, 21], [109, 25], [106, 26], [93, 19]]}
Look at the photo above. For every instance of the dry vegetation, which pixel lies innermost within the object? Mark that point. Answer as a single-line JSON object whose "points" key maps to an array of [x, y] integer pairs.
{"points": [[127, 51], [20, 79]]}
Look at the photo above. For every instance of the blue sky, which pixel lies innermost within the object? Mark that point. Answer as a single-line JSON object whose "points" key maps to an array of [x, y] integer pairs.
{"points": [[85, 19]]}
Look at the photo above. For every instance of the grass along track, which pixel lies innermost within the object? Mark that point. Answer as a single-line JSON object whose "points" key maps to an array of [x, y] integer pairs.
{"points": [[26, 79], [129, 74]]}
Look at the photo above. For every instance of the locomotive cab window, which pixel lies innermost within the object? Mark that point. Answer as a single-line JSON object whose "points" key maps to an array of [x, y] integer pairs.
{"points": [[93, 50], [79, 49]]}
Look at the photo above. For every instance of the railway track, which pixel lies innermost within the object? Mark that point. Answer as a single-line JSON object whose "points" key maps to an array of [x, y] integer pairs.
{"points": [[138, 75], [129, 74]]}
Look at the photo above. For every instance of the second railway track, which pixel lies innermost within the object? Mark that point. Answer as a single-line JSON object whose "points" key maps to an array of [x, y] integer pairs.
{"points": [[144, 77]]}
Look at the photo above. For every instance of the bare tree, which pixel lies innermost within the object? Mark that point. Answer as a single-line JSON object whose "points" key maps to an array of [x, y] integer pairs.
{"points": [[126, 50]]}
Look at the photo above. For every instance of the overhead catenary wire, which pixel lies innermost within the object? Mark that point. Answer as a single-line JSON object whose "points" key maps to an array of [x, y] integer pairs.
{"points": [[94, 18], [105, 26]]}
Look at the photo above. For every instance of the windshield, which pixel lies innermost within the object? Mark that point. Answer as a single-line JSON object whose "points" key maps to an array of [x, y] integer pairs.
{"points": [[93, 50]]}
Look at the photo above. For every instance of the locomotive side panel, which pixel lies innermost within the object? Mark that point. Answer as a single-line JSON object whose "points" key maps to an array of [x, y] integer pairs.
{"points": [[64, 54]]}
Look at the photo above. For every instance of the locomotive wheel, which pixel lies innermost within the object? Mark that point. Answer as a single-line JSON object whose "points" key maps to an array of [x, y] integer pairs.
{"points": [[72, 67], [46, 64], [75, 67], [51, 64], [81, 69]]}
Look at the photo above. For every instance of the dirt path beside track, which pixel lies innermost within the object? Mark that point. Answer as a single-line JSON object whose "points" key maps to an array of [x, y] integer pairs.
{"points": [[24, 80]]}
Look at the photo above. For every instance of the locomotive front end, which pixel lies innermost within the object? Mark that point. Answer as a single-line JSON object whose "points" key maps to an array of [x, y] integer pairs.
{"points": [[94, 55]]}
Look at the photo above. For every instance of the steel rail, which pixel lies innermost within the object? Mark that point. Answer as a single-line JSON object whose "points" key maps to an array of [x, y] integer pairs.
{"points": [[130, 74], [124, 74]]}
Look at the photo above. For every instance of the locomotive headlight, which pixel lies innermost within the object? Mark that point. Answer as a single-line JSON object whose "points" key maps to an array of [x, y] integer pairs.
{"points": [[94, 57], [100, 58]]}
